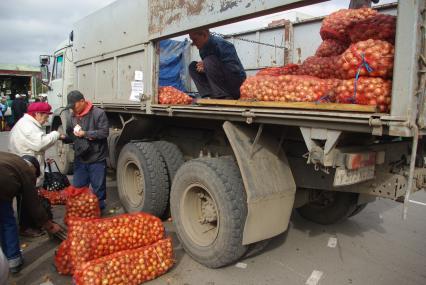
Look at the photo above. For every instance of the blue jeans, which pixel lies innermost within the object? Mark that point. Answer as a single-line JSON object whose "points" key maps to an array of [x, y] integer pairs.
{"points": [[9, 234], [93, 174]]}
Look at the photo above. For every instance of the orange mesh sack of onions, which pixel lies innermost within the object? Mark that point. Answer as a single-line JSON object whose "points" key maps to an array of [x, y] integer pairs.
{"points": [[54, 197], [377, 54], [130, 267], [285, 88], [330, 47], [322, 67], [173, 96], [93, 238], [365, 91], [282, 70], [380, 27], [63, 259], [81, 203], [336, 25]]}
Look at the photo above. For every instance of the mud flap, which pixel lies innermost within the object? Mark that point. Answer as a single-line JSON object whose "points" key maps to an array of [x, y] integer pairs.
{"points": [[267, 178]]}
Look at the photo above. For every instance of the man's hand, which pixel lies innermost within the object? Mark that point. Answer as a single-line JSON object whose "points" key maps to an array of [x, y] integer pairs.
{"points": [[200, 66], [80, 133], [52, 227], [62, 137]]}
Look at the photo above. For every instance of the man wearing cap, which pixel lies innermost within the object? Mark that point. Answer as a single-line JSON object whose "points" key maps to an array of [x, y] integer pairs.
{"points": [[17, 177], [88, 129]]}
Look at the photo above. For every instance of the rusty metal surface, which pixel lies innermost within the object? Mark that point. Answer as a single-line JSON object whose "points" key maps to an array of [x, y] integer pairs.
{"points": [[173, 17]]}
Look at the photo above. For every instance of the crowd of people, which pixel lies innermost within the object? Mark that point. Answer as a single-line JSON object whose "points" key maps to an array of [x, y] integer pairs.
{"points": [[22, 168]]}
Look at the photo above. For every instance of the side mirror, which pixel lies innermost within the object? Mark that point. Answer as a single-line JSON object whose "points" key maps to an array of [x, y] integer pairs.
{"points": [[44, 59], [44, 74]]}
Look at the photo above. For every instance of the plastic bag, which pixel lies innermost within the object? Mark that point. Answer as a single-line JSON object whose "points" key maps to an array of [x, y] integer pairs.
{"points": [[288, 69], [172, 96], [380, 27], [330, 48], [335, 26], [81, 203], [93, 238], [322, 67], [54, 197], [284, 88], [372, 58], [369, 91], [130, 267]]}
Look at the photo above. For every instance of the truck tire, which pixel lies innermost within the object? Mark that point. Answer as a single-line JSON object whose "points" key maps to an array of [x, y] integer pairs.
{"points": [[358, 209], [332, 208], [64, 154], [112, 155], [209, 208], [172, 156], [142, 179]]}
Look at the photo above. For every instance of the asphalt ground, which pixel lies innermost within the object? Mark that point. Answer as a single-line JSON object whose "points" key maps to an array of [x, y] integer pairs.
{"points": [[374, 247]]}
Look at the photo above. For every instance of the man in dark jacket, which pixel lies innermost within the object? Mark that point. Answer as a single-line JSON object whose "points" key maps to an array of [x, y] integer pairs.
{"points": [[19, 107], [17, 179], [88, 128], [220, 73]]}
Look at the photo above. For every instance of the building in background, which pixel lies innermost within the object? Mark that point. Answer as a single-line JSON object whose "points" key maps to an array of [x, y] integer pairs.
{"points": [[20, 79]]}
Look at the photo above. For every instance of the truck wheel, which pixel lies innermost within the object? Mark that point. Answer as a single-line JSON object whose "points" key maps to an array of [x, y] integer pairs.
{"points": [[112, 155], [64, 153], [209, 208], [172, 156], [329, 207], [358, 209], [142, 179]]}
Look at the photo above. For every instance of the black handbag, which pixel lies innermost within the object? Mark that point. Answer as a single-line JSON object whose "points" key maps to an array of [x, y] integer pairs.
{"points": [[54, 181]]}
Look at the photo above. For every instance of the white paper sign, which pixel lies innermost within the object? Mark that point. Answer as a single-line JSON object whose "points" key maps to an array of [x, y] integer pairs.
{"points": [[138, 75], [137, 86], [135, 96]]}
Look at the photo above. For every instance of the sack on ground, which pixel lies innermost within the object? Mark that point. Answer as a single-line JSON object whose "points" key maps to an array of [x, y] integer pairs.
{"points": [[81, 203]]}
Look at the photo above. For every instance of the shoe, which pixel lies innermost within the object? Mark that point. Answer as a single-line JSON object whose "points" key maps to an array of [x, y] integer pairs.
{"points": [[15, 264], [31, 233]]}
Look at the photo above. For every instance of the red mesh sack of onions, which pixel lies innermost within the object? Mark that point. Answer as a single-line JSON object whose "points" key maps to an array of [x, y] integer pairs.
{"points": [[63, 259], [54, 197], [378, 54], [369, 91], [335, 26], [330, 48], [173, 96], [282, 70], [322, 67], [284, 88], [93, 238], [380, 27], [81, 203], [130, 267]]}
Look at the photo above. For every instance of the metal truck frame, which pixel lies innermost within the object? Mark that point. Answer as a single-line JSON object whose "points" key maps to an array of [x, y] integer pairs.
{"points": [[232, 175]]}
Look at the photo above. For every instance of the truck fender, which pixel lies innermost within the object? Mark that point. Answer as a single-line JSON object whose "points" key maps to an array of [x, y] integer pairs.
{"points": [[267, 179]]}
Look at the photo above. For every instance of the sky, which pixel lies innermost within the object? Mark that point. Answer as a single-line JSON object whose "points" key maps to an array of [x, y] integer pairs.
{"points": [[29, 28]]}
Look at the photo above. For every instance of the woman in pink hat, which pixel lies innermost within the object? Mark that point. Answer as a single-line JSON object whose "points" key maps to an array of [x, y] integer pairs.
{"points": [[28, 137]]}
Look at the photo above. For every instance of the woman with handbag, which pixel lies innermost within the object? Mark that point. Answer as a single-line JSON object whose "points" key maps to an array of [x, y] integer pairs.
{"points": [[29, 138]]}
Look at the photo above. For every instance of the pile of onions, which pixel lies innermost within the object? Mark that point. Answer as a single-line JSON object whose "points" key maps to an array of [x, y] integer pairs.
{"points": [[287, 69], [63, 259], [171, 96], [322, 67], [81, 203], [130, 267], [378, 54], [379, 27], [284, 88], [331, 48], [335, 26], [369, 91], [54, 197]]}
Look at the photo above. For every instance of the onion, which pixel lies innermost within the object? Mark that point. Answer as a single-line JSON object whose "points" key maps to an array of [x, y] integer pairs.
{"points": [[171, 96]]}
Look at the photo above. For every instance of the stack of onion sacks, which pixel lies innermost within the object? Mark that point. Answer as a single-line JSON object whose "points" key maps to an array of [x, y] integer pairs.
{"points": [[171, 96]]}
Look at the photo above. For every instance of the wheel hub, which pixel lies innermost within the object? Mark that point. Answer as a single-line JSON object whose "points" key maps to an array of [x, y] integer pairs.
{"points": [[208, 209]]}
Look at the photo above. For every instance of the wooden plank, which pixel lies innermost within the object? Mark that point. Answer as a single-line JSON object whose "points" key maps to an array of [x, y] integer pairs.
{"points": [[291, 105]]}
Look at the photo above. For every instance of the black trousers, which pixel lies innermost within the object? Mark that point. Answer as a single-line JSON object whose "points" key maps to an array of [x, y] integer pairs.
{"points": [[216, 81]]}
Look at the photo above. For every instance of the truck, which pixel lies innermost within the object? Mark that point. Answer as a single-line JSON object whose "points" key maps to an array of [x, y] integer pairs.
{"points": [[232, 174]]}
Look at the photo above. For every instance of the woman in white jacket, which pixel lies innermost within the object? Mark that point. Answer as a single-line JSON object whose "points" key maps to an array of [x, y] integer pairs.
{"points": [[29, 138]]}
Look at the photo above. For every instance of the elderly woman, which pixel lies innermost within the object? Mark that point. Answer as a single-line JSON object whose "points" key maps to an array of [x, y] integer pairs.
{"points": [[29, 138]]}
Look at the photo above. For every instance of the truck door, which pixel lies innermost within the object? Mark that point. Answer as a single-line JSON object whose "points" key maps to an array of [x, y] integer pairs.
{"points": [[55, 95]]}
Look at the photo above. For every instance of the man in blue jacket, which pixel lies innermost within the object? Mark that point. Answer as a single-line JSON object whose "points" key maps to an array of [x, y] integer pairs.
{"points": [[220, 73]]}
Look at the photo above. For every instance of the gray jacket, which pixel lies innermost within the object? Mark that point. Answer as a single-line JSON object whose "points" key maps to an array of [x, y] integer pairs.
{"points": [[95, 124]]}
